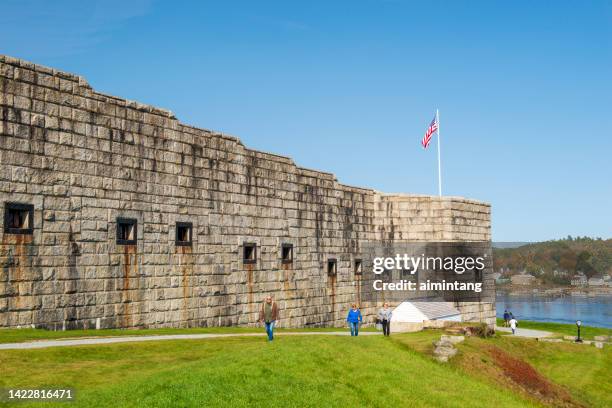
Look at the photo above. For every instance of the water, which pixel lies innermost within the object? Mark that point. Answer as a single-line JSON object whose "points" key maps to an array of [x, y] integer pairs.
{"points": [[593, 311]]}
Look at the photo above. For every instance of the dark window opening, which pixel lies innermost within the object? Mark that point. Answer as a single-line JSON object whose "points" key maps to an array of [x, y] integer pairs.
{"points": [[478, 275], [126, 231], [18, 218], [332, 267], [287, 253], [184, 233], [249, 253], [358, 267]]}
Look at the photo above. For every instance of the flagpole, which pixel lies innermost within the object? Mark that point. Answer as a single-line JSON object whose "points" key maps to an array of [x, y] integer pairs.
{"points": [[439, 164]]}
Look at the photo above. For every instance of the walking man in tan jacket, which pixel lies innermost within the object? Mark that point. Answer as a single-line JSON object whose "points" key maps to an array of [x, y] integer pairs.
{"points": [[268, 314]]}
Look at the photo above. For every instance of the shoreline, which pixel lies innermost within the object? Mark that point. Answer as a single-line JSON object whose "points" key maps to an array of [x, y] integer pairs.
{"points": [[555, 291], [557, 321], [587, 331]]}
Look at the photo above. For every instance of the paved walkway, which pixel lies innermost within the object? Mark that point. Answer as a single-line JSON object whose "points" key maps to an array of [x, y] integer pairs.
{"points": [[132, 339], [530, 333]]}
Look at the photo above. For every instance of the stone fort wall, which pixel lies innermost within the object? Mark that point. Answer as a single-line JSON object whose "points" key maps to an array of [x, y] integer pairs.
{"points": [[84, 159]]}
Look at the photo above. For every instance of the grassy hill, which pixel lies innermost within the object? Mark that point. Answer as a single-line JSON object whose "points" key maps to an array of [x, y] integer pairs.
{"points": [[319, 371], [567, 256]]}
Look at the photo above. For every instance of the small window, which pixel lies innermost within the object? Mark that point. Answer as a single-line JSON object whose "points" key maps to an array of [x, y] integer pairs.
{"points": [[332, 267], [184, 232], [287, 253], [18, 218], [478, 275], [249, 253], [126, 231], [358, 267]]}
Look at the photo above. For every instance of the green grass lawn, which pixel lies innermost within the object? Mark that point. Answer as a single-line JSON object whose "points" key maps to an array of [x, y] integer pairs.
{"points": [[303, 371], [582, 370], [586, 332], [293, 371]]}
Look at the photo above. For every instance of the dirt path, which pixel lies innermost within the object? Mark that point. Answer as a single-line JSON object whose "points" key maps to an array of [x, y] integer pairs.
{"points": [[132, 339]]}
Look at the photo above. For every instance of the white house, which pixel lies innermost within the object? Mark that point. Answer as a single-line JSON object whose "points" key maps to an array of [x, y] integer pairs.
{"points": [[596, 282], [579, 280], [523, 279]]}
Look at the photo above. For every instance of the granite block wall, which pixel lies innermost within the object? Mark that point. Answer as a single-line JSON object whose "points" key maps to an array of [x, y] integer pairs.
{"points": [[84, 160]]}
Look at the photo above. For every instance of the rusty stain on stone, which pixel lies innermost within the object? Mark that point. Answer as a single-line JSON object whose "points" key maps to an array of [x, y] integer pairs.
{"points": [[287, 279], [358, 284], [129, 261], [18, 257], [332, 286], [249, 268], [185, 260]]}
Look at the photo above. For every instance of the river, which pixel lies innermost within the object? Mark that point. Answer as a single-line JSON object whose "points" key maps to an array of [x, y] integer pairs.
{"points": [[592, 311]]}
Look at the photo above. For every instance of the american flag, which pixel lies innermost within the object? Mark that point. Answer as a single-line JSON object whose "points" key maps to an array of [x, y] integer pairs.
{"points": [[433, 126]]}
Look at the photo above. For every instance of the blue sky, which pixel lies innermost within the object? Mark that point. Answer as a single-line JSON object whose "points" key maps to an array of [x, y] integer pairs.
{"points": [[524, 89]]}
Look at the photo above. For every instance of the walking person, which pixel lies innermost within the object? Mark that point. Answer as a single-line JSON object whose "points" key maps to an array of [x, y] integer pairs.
{"points": [[513, 323], [384, 315], [268, 314], [506, 318], [354, 318]]}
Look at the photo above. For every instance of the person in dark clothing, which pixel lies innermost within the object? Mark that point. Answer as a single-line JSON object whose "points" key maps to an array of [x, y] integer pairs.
{"points": [[506, 318], [268, 314], [354, 318], [384, 315]]}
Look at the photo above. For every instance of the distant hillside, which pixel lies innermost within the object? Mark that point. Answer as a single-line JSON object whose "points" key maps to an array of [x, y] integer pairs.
{"points": [[509, 244], [556, 261]]}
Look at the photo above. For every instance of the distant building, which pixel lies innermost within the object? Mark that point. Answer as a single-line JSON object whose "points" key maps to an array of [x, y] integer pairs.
{"points": [[523, 279], [501, 280], [596, 282], [579, 280]]}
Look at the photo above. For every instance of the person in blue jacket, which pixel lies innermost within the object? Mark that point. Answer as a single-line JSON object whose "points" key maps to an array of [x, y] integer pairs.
{"points": [[506, 318], [354, 318]]}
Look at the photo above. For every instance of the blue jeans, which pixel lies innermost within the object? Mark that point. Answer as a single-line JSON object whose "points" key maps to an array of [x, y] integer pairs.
{"points": [[270, 330], [354, 328]]}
